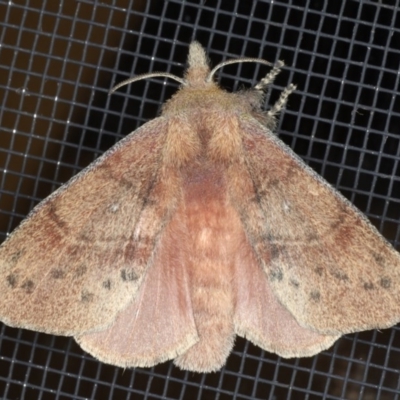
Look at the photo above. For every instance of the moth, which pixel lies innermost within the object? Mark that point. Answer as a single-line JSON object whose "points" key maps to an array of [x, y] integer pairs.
{"points": [[199, 226]]}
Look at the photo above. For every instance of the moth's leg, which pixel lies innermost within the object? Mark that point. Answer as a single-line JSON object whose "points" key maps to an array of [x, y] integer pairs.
{"points": [[280, 103], [270, 77]]}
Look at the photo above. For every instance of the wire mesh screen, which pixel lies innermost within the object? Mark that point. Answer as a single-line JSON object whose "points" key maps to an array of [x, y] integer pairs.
{"points": [[58, 60]]}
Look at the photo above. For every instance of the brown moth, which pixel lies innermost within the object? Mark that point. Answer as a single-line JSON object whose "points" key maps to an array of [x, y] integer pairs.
{"points": [[199, 226]]}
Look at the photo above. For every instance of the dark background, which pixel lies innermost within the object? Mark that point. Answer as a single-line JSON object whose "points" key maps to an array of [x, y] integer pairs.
{"points": [[57, 62]]}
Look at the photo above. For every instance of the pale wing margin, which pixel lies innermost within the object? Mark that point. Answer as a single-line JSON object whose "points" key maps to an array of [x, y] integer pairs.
{"points": [[324, 260], [79, 257]]}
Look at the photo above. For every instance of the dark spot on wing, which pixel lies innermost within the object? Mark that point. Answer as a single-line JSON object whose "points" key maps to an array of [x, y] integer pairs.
{"points": [[294, 283], [16, 256], [268, 237], [107, 284], [129, 275], [341, 276], [272, 183], [85, 236], [255, 199], [28, 286], [57, 273], [120, 180], [379, 259], [312, 236], [319, 271], [52, 213], [368, 286], [338, 221], [80, 271], [73, 250], [385, 282], [274, 251], [86, 296], [276, 275], [12, 280], [315, 295]]}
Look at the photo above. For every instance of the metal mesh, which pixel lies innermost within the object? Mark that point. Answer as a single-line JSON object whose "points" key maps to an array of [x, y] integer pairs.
{"points": [[57, 62]]}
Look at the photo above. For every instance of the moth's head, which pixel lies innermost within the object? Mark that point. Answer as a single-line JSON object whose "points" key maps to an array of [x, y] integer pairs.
{"points": [[199, 76], [198, 73]]}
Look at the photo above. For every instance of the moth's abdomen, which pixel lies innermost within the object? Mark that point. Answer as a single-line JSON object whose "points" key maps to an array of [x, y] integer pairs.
{"points": [[209, 266]]}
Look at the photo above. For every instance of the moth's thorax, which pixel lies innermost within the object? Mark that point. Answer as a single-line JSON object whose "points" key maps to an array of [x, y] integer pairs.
{"points": [[209, 98], [212, 137], [204, 124]]}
